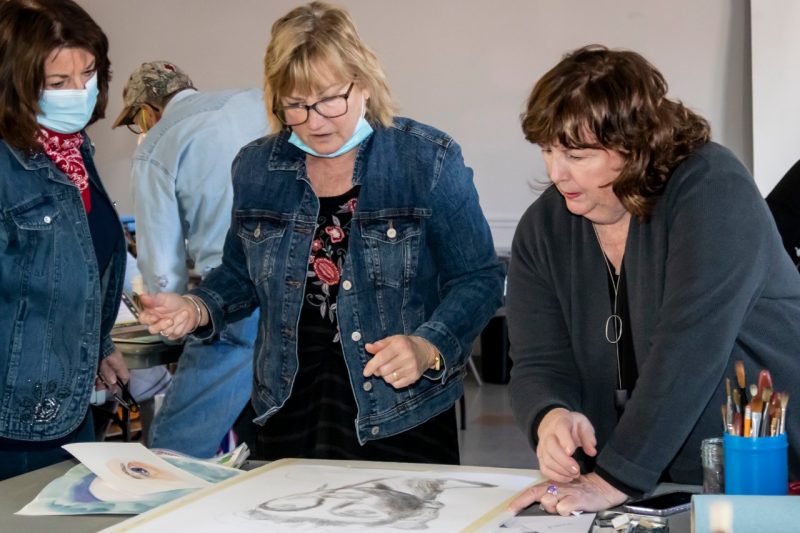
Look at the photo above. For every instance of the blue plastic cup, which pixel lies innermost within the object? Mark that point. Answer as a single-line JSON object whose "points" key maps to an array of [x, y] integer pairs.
{"points": [[756, 466]]}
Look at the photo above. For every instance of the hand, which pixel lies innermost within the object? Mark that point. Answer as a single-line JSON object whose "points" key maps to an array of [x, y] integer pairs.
{"points": [[589, 493], [112, 369], [560, 433], [400, 359], [168, 314]]}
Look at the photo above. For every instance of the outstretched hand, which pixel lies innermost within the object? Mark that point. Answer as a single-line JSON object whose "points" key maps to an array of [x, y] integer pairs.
{"points": [[168, 314]]}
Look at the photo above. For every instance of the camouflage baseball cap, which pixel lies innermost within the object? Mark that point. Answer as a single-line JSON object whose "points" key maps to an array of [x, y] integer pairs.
{"points": [[151, 83]]}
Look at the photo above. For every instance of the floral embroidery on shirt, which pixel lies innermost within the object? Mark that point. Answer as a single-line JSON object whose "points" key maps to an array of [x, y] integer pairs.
{"points": [[326, 262], [45, 404]]}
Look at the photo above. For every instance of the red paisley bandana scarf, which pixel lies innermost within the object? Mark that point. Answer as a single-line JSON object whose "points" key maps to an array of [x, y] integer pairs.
{"points": [[64, 150]]}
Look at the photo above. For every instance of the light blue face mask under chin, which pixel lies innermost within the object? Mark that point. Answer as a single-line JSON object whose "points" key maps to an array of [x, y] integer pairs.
{"points": [[68, 110], [362, 131]]}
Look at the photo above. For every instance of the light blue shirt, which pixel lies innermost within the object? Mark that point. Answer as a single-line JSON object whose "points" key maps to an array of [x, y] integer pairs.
{"points": [[181, 180]]}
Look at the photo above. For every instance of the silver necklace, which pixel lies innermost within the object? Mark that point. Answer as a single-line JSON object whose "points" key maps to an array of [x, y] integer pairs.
{"points": [[614, 321]]}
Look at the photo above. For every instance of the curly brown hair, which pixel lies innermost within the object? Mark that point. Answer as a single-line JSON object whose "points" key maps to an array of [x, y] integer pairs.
{"points": [[616, 100], [29, 31]]}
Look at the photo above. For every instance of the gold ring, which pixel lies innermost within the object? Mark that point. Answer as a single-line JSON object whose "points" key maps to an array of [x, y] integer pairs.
{"points": [[394, 374]]}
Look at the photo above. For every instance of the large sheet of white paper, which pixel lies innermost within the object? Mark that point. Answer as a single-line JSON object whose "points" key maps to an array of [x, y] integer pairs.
{"points": [[317, 495]]}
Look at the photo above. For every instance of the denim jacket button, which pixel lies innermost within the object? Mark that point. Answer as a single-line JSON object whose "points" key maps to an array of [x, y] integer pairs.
{"points": [[367, 386], [375, 430], [356, 336], [391, 233], [47, 219], [257, 232], [346, 285]]}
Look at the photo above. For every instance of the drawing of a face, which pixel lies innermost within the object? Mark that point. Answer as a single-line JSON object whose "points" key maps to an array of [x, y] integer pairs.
{"points": [[404, 503]]}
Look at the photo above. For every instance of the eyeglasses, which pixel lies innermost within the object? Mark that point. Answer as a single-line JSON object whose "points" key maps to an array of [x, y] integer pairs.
{"points": [[330, 107], [134, 126]]}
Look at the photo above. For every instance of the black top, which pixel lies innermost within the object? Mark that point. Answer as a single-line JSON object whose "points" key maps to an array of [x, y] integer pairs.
{"points": [[103, 226], [626, 356], [784, 202]]}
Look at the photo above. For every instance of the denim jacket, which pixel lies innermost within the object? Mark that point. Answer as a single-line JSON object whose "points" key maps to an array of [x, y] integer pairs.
{"points": [[56, 312], [420, 262]]}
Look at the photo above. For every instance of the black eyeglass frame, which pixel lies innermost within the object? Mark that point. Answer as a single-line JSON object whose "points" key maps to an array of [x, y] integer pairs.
{"points": [[134, 128], [280, 111]]}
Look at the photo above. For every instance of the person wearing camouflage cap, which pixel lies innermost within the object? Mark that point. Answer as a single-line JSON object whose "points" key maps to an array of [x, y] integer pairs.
{"points": [[182, 203], [148, 90]]}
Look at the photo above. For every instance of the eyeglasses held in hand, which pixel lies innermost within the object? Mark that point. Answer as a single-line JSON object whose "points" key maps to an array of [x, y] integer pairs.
{"points": [[126, 400]]}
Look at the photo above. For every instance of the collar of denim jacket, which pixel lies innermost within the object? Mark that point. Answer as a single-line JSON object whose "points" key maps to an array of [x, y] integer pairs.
{"points": [[286, 156]]}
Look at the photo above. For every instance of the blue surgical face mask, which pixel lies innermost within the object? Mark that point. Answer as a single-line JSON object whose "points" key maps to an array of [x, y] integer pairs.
{"points": [[68, 110], [362, 131]]}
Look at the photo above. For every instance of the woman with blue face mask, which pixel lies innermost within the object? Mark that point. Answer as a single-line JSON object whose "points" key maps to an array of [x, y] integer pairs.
{"points": [[359, 236], [62, 251]]}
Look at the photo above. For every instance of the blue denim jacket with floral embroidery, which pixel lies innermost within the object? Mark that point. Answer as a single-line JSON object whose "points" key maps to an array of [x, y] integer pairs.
{"points": [[56, 312], [420, 261]]}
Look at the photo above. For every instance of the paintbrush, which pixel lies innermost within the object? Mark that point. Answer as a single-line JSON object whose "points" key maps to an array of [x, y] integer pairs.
{"points": [[728, 406], [723, 409], [737, 424], [784, 403], [774, 414], [739, 366], [755, 407], [747, 421], [766, 396], [764, 381]]}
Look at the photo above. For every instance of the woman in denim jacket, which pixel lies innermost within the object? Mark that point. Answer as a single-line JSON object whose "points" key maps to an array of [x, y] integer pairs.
{"points": [[62, 253], [359, 237]]}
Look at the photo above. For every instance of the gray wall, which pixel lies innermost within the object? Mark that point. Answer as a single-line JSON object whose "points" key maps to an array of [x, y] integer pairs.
{"points": [[776, 108], [465, 66]]}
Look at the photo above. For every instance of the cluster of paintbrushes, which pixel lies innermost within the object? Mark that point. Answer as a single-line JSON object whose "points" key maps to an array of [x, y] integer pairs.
{"points": [[754, 411]]}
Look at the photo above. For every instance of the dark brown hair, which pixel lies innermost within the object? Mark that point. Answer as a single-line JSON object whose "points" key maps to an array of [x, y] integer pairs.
{"points": [[616, 100], [29, 31]]}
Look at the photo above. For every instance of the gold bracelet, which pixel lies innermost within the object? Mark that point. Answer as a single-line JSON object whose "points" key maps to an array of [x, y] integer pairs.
{"points": [[196, 308], [437, 361]]}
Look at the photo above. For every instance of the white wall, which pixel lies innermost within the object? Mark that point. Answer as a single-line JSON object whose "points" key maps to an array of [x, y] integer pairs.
{"points": [[776, 78], [465, 66]]}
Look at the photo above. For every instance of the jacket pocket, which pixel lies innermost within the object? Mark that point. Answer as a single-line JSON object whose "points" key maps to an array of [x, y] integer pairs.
{"points": [[34, 223], [37, 215], [392, 241], [260, 232]]}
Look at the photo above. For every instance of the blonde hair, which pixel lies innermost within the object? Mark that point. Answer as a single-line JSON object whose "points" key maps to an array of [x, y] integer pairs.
{"points": [[315, 37]]}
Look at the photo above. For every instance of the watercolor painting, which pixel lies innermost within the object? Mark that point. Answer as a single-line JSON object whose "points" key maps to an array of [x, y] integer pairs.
{"points": [[320, 495], [80, 491], [131, 468]]}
